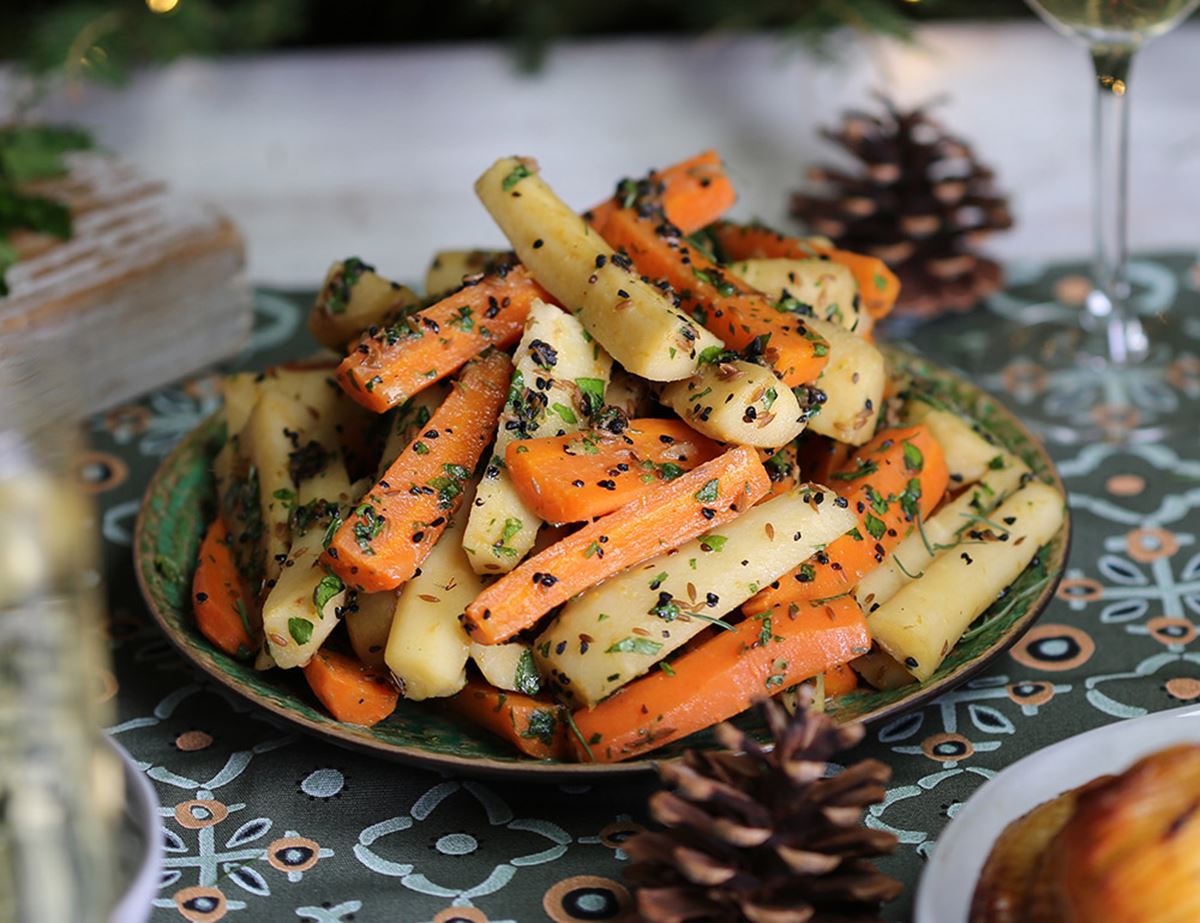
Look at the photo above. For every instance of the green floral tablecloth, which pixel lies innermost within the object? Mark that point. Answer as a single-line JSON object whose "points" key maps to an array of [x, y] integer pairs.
{"points": [[262, 823]]}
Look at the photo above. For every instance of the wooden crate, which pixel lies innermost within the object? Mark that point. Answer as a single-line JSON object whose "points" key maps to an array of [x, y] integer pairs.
{"points": [[150, 289]]}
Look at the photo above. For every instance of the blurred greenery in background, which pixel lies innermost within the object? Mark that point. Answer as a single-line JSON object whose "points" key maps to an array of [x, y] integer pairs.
{"points": [[102, 39]]}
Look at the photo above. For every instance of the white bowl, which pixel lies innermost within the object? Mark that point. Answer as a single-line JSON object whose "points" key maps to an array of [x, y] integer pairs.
{"points": [[944, 894], [140, 851]]}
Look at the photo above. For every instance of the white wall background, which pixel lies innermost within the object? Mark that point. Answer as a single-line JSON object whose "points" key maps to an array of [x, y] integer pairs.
{"points": [[323, 155]]}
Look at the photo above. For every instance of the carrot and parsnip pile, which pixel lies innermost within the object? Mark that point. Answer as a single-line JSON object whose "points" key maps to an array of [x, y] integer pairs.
{"points": [[607, 488]]}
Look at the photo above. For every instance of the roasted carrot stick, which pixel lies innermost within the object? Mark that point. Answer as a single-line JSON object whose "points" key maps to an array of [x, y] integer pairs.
{"points": [[839, 680], [660, 519], [878, 286], [350, 690], [740, 316], [388, 366], [694, 193], [722, 677], [534, 726], [886, 482], [398, 522], [220, 598], [580, 476]]}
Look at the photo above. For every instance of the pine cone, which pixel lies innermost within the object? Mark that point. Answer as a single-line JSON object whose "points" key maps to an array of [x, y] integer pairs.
{"points": [[922, 204], [761, 835]]}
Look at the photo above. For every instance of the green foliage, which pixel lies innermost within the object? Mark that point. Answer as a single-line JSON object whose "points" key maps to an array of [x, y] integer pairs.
{"points": [[103, 39], [28, 153]]}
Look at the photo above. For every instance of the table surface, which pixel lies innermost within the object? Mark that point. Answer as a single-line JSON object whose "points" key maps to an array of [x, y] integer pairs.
{"points": [[264, 823]]}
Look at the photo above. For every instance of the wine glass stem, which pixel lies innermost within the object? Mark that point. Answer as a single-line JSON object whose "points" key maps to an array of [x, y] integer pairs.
{"points": [[1108, 306]]}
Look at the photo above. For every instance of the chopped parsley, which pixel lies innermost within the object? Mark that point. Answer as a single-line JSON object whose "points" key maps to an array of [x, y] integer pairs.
{"points": [[450, 486], [565, 413], [666, 608], [633, 645], [668, 471], [910, 499], [527, 679], [592, 391], [542, 726], [709, 492], [328, 587], [713, 543], [876, 526], [863, 468], [337, 296], [300, 629], [913, 459], [515, 175], [512, 526], [368, 528]]}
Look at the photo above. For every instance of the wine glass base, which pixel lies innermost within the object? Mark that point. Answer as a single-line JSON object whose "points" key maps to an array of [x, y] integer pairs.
{"points": [[1060, 381]]}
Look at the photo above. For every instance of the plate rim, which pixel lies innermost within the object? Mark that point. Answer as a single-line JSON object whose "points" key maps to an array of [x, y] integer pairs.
{"points": [[490, 767], [923, 912]]}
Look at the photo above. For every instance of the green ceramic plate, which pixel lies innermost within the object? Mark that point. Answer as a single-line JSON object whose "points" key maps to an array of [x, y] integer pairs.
{"points": [[180, 500]]}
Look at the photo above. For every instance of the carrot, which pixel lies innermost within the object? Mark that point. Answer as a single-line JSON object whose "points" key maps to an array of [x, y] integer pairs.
{"points": [[219, 596], [885, 482], [878, 286], [389, 365], [840, 680], [660, 519], [580, 476], [398, 522], [740, 316], [694, 193], [350, 690], [533, 726], [721, 678]]}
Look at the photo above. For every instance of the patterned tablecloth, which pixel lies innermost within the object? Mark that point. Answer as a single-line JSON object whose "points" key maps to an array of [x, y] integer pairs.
{"points": [[262, 823]]}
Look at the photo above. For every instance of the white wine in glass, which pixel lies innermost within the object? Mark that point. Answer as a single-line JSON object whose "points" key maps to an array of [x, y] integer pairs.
{"points": [[1112, 338], [1106, 22]]}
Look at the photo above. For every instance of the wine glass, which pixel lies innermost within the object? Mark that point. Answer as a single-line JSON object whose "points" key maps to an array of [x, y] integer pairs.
{"points": [[1114, 339]]}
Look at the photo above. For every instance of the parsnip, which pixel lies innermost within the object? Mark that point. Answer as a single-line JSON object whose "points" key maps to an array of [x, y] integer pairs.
{"points": [[314, 389], [853, 381], [969, 453], [633, 320], [307, 600], [508, 666], [917, 550], [369, 624], [828, 288], [616, 631], [352, 298], [560, 378], [448, 268], [266, 443], [924, 620], [427, 646], [737, 402]]}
